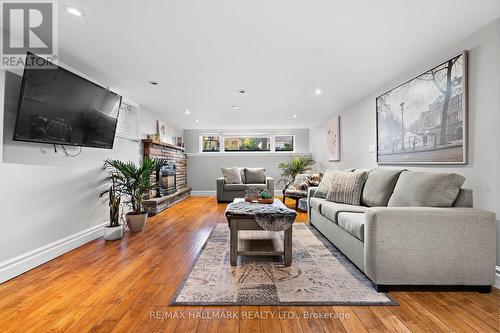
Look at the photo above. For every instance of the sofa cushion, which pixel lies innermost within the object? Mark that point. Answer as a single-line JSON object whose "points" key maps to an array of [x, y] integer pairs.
{"points": [[234, 187], [255, 175], [258, 186], [426, 189], [316, 203], [464, 198], [379, 186], [330, 209], [347, 187], [231, 175], [353, 223]]}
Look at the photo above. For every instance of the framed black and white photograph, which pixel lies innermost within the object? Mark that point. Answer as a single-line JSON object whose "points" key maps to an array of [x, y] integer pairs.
{"points": [[424, 120]]}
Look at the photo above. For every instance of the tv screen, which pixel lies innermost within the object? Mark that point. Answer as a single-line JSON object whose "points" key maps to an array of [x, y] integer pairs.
{"points": [[59, 107]]}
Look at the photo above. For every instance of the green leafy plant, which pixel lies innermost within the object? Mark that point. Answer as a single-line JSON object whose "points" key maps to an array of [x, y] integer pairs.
{"points": [[265, 195], [295, 165], [133, 181], [114, 201]]}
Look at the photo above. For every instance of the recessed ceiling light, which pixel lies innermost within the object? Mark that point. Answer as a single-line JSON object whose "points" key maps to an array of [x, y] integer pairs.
{"points": [[317, 91], [234, 107], [242, 91], [295, 116], [197, 120], [187, 112], [154, 83], [74, 11]]}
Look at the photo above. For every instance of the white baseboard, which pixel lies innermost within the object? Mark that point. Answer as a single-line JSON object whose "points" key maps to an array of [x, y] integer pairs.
{"points": [[212, 193], [497, 278], [24, 262]]}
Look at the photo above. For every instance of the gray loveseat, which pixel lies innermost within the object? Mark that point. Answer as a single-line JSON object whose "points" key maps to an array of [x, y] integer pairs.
{"points": [[410, 245], [227, 192]]}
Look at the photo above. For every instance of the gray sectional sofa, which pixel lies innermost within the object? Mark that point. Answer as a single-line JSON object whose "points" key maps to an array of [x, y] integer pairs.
{"points": [[395, 239], [251, 177]]}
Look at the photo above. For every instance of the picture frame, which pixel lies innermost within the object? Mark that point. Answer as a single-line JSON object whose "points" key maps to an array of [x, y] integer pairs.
{"points": [[409, 126], [161, 129], [333, 139]]}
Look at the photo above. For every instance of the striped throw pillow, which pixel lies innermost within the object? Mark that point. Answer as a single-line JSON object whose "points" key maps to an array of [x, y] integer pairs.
{"points": [[347, 187]]}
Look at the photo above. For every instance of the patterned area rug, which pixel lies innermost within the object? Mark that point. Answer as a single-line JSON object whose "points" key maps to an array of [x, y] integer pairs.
{"points": [[319, 275]]}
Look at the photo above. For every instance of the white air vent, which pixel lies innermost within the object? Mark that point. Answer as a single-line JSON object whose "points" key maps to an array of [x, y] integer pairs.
{"points": [[128, 121]]}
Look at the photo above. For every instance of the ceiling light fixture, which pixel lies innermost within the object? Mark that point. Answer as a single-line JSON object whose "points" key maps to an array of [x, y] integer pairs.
{"points": [[197, 120], [295, 116], [74, 11], [242, 91], [154, 83], [234, 107], [318, 91], [187, 112]]}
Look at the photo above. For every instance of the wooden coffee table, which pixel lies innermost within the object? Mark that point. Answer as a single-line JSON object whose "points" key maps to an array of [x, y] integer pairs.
{"points": [[247, 238]]}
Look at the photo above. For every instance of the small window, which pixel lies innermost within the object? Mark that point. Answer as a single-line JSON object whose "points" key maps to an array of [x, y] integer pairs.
{"points": [[247, 143], [284, 143], [210, 143]]}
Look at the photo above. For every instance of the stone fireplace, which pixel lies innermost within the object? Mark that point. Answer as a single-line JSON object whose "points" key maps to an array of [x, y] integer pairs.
{"points": [[171, 180]]}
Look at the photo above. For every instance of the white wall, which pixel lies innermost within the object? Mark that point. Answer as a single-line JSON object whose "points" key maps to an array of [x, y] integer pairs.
{"points": [[204, 168], [46, 196], [482, 171]]}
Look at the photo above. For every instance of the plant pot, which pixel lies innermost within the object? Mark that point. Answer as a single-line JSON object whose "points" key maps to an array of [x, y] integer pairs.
{"points": [[136, 222], [113, 233]]}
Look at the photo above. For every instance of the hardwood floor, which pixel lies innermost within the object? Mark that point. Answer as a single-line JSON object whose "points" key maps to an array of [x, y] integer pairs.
{"points": [[126, 286]]}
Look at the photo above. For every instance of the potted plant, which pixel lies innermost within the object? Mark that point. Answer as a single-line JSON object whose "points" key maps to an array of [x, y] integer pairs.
{"points": [[133, 181], [114, 230], [296, 165]]}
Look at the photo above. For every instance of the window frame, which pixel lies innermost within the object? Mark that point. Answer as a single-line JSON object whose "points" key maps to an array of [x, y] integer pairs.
{"points": [[223, 137], [284, 151], [238, 136], [210, 151]]}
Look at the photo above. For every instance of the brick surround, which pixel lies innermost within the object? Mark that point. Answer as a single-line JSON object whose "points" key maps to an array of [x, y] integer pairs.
{"points": [[173, 154]]}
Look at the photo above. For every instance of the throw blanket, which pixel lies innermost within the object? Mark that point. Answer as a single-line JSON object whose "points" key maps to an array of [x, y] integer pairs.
{"points": [[273, 217]]}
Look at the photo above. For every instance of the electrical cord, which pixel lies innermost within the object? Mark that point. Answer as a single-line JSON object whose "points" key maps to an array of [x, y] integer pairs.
{"points": [[68, 154]]}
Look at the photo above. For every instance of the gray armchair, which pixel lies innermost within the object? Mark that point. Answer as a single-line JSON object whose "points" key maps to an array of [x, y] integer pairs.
{"points": [[227, 192]]}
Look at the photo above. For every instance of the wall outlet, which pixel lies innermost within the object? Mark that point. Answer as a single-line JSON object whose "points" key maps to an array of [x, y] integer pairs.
{"points": [[371, 148]]}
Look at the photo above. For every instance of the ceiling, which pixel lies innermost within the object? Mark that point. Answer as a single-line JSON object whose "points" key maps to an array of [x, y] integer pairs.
{"points": [[203, 52]]}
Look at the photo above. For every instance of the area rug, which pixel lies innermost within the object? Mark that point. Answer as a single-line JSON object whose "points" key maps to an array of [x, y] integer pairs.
{"points": [[319, 275]]}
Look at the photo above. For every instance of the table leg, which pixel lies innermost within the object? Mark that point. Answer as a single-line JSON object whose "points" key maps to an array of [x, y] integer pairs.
{"points": [[288, 246], [233, 240]]}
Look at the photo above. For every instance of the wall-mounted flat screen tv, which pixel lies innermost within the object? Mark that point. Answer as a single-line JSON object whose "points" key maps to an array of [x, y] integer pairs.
{"points": [[57, 106]]}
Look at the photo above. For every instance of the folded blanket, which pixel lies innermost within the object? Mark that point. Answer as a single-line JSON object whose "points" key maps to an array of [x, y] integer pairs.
{"points": [[273, 217]]}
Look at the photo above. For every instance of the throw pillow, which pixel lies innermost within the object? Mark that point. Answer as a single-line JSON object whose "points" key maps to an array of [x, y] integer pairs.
{"points": [[379, 187], [299, 180], [242, 173], [326, 183], [255, 175], [425, 189], [231, 175], [315, 179], [347, 187]]}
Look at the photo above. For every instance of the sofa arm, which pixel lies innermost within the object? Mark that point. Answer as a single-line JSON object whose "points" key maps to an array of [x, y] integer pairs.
{"points": [[220, 189], [270, 185], [431, 246], [310, 193]]}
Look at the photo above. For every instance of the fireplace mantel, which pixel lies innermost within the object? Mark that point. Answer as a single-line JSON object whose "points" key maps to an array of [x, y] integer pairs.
{"points": [[171, 154]]}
